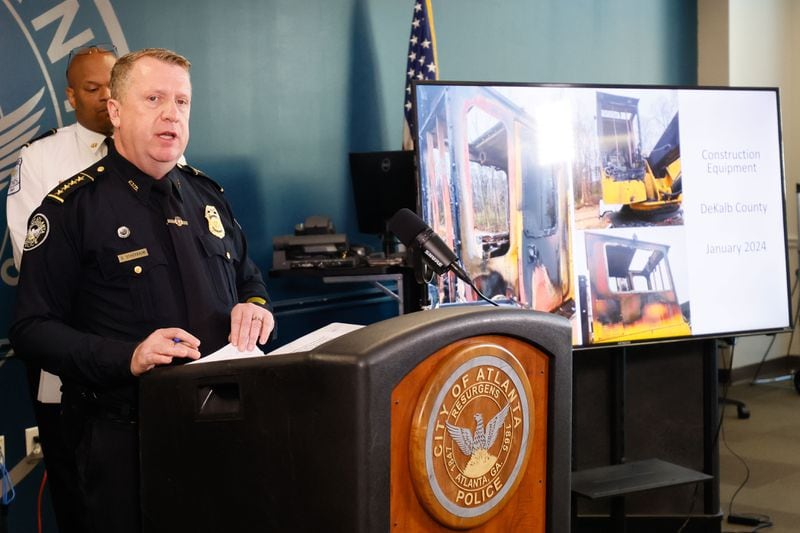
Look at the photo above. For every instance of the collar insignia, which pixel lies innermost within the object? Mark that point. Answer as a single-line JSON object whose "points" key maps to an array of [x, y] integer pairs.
{"points": [[63, 189]]}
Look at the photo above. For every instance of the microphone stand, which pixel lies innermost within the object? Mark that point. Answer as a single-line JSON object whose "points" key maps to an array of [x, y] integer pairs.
{"points": [[425, 274], [461, 273]]}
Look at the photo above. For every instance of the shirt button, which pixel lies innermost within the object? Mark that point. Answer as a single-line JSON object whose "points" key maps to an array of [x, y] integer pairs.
{"points": [[137, 269], [228, 255]]}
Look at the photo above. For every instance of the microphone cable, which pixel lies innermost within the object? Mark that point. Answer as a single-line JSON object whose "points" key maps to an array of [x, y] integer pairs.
{"points": [[469, 282]]}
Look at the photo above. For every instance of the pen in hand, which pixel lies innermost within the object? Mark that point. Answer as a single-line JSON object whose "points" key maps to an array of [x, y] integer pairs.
{"points": [[184, 344], [178, 340]]}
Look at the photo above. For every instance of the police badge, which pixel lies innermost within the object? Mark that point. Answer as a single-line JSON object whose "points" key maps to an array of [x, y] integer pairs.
{"points": [[214, 222]]}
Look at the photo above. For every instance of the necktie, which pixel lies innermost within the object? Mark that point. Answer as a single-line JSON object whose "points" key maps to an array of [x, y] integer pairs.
{"points": [[109, 142], [189, 260]]}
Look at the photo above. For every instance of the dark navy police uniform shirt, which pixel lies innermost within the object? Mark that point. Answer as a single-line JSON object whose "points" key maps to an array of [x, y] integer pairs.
{"points": [[100, 272]]}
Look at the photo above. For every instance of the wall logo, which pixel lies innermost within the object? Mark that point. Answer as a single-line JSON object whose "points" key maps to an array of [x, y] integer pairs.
{"points": [[35, 42], [471, 435]]}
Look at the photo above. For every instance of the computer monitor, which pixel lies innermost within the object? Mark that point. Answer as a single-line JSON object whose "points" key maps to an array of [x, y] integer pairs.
{"points": [[383, 183]]}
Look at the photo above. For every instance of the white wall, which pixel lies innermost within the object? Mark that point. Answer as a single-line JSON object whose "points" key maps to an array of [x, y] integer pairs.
{"points": [[750, 43]]}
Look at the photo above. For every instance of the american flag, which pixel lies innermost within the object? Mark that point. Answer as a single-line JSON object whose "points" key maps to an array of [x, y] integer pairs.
{"points": [[422, 63]]}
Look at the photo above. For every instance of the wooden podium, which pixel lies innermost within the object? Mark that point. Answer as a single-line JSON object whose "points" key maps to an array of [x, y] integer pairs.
{"points": [[452, 419]]}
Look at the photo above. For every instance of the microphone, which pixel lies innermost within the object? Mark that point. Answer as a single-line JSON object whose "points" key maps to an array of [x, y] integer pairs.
{"points": [[413, 232]]}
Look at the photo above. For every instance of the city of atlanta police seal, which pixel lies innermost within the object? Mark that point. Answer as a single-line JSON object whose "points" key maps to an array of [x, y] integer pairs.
{"points": [[471, 435], [38, 229]]}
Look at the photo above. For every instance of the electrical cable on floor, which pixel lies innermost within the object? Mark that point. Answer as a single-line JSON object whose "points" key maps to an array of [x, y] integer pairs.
{"points": [[39, 501], [7, 492], [758, 521], [713, 444], [691, 508]]}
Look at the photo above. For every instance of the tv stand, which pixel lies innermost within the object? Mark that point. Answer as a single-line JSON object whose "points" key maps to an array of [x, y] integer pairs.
{"points": [[631, 470]]}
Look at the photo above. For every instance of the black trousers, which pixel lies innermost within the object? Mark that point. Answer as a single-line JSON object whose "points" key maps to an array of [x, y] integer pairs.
{"points": [[107, 462], [59, 461]]}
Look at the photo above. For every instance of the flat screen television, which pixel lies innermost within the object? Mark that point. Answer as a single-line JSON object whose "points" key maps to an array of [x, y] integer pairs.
{"points": [[641, 213]]}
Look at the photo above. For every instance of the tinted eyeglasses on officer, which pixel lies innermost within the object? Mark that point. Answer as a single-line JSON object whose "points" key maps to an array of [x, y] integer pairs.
{"points": [[96, 48]]}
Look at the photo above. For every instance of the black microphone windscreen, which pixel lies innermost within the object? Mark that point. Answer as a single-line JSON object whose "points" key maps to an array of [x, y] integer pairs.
{"points": [[406, 225]]}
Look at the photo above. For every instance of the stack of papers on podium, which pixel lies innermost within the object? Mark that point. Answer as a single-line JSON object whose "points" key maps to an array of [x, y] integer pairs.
{"points": [[229, 351], [303, 344], [316, 338]]}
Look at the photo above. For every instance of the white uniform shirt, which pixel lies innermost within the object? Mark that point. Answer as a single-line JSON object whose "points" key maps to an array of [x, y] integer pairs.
{"points": [[42, 165]]}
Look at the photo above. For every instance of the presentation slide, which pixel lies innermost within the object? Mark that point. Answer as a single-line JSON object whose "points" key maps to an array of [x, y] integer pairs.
{"points": [[640, 213], [734, 206]]}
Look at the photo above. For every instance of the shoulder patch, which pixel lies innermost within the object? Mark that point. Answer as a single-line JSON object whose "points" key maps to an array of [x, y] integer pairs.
{"points": [[38, 229], [199, 173], [15, 183], [48, 133], [60, 193]]}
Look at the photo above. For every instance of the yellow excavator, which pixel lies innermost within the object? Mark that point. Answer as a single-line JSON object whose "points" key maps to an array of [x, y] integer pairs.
{"points": [[642, 185]]}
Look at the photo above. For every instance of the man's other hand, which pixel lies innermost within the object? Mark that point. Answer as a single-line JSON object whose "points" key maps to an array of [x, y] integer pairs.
{"points": [[250, 323]]}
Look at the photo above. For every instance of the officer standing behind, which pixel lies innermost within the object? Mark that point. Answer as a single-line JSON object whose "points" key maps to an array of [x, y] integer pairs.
{"points": [[58, 154], [132, 263], [55, 156]]}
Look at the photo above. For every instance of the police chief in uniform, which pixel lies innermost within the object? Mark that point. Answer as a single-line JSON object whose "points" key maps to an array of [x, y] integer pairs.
{"points": [[132, 263]]}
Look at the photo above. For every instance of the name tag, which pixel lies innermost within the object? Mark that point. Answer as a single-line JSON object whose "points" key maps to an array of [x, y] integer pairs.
{"points": [[130, 256]]}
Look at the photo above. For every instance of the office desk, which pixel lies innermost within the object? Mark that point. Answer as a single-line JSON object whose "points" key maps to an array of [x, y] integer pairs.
{"points": [[402, 291]]}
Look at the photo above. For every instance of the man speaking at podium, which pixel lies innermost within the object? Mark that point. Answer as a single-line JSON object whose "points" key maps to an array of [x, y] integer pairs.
{"points": [[135, 262]]}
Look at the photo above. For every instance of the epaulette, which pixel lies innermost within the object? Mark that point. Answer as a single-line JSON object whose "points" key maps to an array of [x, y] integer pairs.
{"points": [[48, 133], [61, 191], [195, 172]]}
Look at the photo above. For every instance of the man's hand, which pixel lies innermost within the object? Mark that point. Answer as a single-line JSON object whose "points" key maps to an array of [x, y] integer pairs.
{"points": [[250, 323], [161, 347]]}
